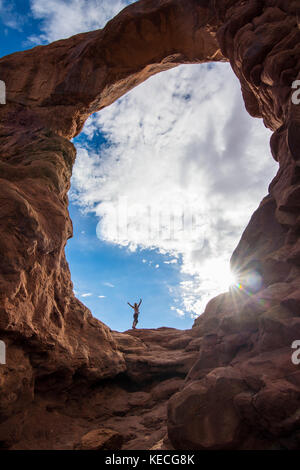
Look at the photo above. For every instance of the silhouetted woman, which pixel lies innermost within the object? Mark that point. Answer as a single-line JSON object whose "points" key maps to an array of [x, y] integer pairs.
{"points": [[136, 313]]}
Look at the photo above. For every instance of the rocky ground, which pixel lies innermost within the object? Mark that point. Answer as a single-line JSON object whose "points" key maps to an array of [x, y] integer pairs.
{"points": [[227, 383], [134, 404]]}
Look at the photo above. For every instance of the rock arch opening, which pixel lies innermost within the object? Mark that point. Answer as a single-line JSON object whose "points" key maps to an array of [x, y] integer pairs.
{"points": [[171, 169]]}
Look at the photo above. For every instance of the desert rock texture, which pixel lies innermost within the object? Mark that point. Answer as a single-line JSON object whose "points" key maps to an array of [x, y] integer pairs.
{"points": [[71, 382]]}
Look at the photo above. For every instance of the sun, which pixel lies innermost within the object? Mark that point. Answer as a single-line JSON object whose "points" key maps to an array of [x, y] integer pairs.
{"points": [[232, 279], [219, 270]]}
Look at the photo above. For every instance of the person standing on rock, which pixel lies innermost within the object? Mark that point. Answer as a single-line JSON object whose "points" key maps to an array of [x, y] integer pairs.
{"points": [[136, 313]]}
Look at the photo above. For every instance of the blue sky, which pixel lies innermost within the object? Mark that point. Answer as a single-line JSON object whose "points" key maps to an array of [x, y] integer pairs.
{"points": [[103, 269], [179, 147]]}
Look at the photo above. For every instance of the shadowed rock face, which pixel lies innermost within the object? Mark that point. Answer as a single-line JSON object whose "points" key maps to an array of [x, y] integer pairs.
{"points": [[231, 380]]}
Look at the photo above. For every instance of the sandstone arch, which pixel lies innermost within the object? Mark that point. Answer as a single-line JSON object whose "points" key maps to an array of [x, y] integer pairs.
{"points": [[89, 71], [51, 337]]}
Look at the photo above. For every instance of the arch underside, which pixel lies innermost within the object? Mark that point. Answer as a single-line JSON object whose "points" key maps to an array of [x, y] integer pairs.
{"points": [[238, 352]]}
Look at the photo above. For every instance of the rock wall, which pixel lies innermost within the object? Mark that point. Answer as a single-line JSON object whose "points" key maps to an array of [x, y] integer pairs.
{"points": [[242, 390]]}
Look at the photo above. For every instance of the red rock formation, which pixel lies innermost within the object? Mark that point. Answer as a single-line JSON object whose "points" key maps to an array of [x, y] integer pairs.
{"points": [[134, 404], [245, 355], [241, 389], [100, 439]]}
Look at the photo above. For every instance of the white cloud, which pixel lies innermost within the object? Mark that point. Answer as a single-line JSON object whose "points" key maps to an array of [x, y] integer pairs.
{"points": [[144, 261], [180, 144], [102, 296], [88, 294], [108, 284], [9, 15], [179, 312], [64, 18]]}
